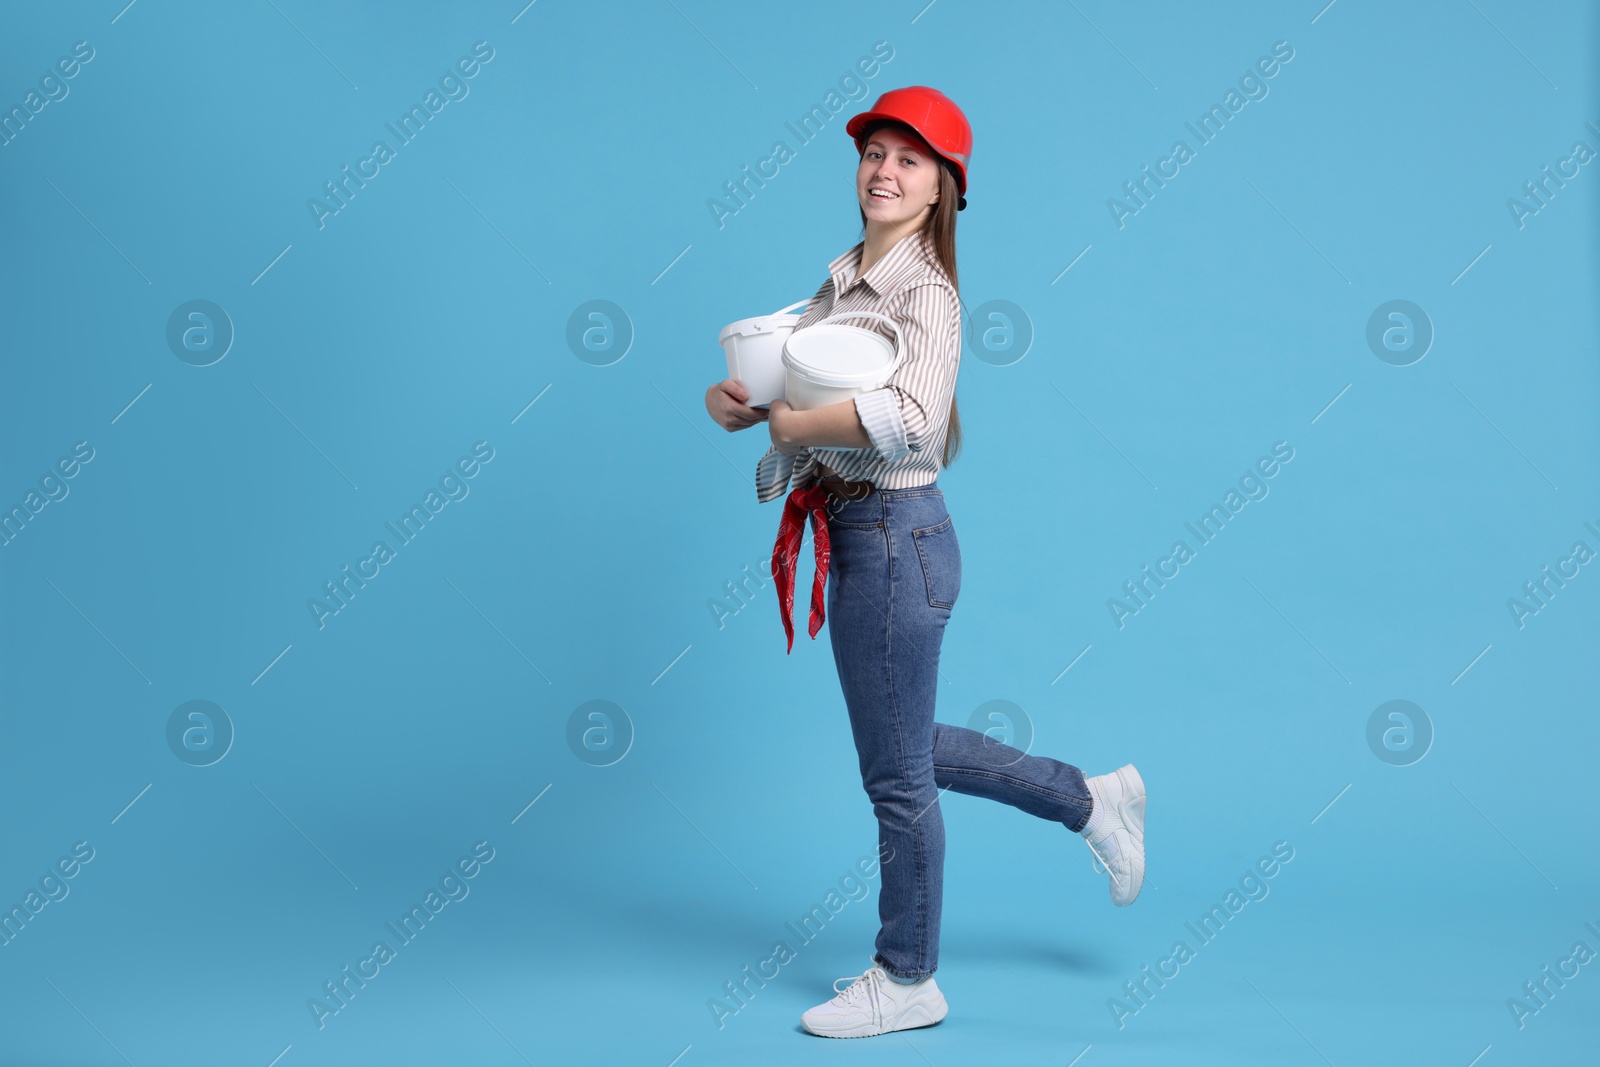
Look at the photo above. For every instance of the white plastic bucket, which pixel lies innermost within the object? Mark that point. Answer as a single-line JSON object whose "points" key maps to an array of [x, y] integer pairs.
{"points": [[754, 348], [827, 362]]}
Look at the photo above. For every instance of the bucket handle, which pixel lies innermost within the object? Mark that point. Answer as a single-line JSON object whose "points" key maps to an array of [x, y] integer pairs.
{"points": [[898, 348], [760, 324]]}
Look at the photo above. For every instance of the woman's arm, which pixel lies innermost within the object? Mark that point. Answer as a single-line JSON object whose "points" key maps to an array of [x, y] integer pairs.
{"points": [[832, 426], [725, 402], [904, 414]]}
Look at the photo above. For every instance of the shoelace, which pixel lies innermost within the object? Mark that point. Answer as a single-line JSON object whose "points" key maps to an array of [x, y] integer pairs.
{"points": [[1099, 864], [863, 988]]}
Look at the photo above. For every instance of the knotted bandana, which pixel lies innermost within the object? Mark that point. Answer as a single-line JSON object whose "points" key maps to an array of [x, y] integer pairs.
{"points": [[811, 501]]}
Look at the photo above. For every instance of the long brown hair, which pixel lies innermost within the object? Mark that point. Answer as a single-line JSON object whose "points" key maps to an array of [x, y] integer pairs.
{"points": [[939, 241]]}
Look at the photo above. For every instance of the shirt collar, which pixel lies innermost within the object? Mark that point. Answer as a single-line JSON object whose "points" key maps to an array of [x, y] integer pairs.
{"points": [[887, 275]]}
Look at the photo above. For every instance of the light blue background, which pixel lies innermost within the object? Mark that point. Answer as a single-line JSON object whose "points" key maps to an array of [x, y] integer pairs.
{"points": [[428, 714]]}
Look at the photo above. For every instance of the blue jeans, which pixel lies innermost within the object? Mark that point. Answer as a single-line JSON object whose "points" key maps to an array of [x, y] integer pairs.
{"points": [[893, 578]]}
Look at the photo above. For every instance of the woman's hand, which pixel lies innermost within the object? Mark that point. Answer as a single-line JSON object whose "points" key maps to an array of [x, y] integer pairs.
{"points": [[780, 421], [725, 403]]}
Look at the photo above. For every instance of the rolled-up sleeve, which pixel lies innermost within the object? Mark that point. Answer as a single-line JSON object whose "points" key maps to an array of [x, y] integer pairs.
{"points": [[912, 407], [880, 417]]}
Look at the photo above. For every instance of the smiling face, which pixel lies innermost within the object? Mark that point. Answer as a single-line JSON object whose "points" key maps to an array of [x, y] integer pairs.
{"points": [[898, 179]]}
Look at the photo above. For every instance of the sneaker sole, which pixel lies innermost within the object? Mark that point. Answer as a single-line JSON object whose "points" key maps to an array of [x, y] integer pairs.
{"points": [[1131, 810], [1132, 804], [912, 1011]]}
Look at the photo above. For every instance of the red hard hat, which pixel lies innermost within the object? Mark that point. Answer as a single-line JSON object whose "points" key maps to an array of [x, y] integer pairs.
{"points": [[933, 115]]}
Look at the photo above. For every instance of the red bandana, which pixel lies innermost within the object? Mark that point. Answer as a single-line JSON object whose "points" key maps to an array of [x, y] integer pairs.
{"points": [[786, 552]]}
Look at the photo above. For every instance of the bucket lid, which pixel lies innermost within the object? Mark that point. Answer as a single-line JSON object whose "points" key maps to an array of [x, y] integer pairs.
{"points": [[756, 325], [839, 355]]}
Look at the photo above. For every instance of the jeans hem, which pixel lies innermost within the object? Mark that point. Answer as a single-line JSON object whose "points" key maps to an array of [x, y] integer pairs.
{"points": [[1069, 800], [910, 978]]}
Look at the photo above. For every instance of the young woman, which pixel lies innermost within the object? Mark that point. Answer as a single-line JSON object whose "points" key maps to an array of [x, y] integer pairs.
{"points": [[865, 472]]}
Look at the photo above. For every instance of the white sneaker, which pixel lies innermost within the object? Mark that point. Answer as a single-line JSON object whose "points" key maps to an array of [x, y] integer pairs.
{"points": [[875, 1004], [1118, 842]]}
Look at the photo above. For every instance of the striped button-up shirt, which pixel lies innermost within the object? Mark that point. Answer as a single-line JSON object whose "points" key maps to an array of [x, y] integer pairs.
{"points": [[906, 420]]}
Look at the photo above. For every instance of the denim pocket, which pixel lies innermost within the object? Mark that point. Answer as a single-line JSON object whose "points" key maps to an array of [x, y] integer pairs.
{"points": [[855, 515], [940, 553]]}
